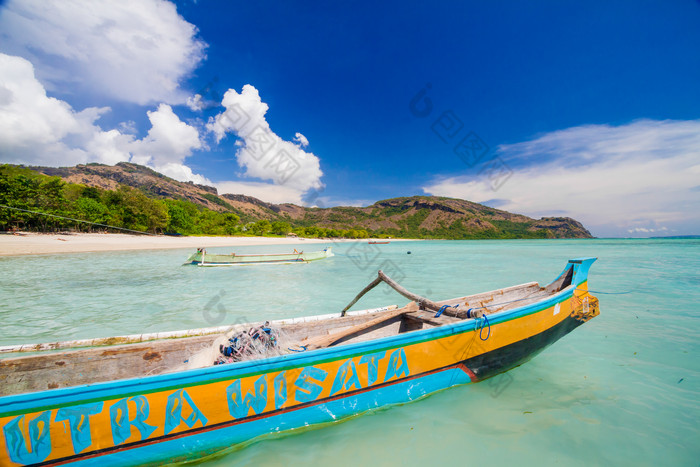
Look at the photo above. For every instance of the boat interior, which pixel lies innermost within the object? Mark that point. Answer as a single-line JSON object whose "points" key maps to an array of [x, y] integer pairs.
{"points": [[65, 366]]}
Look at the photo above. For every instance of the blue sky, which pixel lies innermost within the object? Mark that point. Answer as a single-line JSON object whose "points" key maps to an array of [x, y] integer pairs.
{"points": [[582, 109]]}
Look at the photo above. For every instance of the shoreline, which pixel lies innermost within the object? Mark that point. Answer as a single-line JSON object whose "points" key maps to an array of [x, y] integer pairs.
{"points": [[33, 243]]}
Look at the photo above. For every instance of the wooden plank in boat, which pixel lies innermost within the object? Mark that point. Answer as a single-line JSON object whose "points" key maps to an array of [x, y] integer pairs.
{"points": [[330, 339], [429, 318]]}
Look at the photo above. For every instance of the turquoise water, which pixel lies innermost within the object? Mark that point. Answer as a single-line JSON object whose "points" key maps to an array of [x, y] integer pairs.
{"points": [[624, 389]]}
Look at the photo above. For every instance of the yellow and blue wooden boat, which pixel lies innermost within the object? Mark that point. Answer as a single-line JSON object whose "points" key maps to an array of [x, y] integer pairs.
{"points": [[157, 398], [202, 258]]}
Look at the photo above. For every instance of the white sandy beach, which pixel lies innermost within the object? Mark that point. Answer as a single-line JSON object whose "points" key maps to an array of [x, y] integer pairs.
{"points": [[38, 244]]}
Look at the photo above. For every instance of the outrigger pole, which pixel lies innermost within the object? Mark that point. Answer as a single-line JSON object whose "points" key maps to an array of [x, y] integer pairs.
{"points": [[424, 303], [418, 303]]}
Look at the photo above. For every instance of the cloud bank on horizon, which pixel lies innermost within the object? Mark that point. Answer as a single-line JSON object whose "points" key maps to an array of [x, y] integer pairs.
{"points": [[638, 178]]}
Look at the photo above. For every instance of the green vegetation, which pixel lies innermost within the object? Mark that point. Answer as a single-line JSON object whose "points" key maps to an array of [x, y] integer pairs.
{"points": [[216, 200], [327, 232], [161, 206], [127, 208], [520, 230], [124, 207]]}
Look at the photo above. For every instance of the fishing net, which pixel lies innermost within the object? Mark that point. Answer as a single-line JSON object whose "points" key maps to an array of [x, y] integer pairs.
{"points": [[252, 344]]}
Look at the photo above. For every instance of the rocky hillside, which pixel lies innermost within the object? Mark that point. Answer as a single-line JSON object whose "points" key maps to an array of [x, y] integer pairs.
{"points": [[430, 216], [152, 183], [415, 216]]}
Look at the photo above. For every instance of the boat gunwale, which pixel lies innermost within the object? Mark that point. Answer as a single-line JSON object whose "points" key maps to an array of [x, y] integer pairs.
{"points": [[252, 263], [220, 259], [234, 255], [82, 344], [107, 390]]}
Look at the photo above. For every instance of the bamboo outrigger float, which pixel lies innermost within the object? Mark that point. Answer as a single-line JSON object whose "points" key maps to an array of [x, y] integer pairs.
{"points": [[162, 400], [202, 258]]}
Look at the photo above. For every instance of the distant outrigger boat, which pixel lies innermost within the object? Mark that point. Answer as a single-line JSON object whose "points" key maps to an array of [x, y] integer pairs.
{"points": [[202, 258], [158, 398], [375, 242]]}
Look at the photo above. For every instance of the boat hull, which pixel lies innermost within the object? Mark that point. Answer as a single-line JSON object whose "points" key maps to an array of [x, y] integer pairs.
{"points": [[205, 259], [194, 413]]}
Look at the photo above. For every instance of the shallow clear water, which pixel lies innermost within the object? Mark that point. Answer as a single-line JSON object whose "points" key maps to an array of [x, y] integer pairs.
{"points": [[624, 389]]}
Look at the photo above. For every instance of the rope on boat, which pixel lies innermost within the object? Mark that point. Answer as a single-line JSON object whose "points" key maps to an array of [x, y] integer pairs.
{"points": [[530, 298], [607, 293], [481, 330], [77, 220], [443, 308], [469, 315], [486, 321]]}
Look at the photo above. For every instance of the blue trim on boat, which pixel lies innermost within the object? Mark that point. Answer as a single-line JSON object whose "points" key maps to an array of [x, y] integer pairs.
{"points": [[207, 440]]}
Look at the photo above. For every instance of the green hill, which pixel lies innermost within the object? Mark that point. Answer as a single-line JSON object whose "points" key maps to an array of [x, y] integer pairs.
{"points": [[136, 197]]}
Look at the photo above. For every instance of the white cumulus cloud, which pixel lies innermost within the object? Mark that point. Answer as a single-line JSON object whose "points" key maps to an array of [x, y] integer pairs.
{"points": [[645, 230], [262, 153], [301, 140], [169, 140], [195, 103], [614, 179], [268, 192], [166, 146], [130, 50], [37, 129]]}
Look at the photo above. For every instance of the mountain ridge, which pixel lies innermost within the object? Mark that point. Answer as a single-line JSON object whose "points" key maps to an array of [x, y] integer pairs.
{"points": [[410, 216]]}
